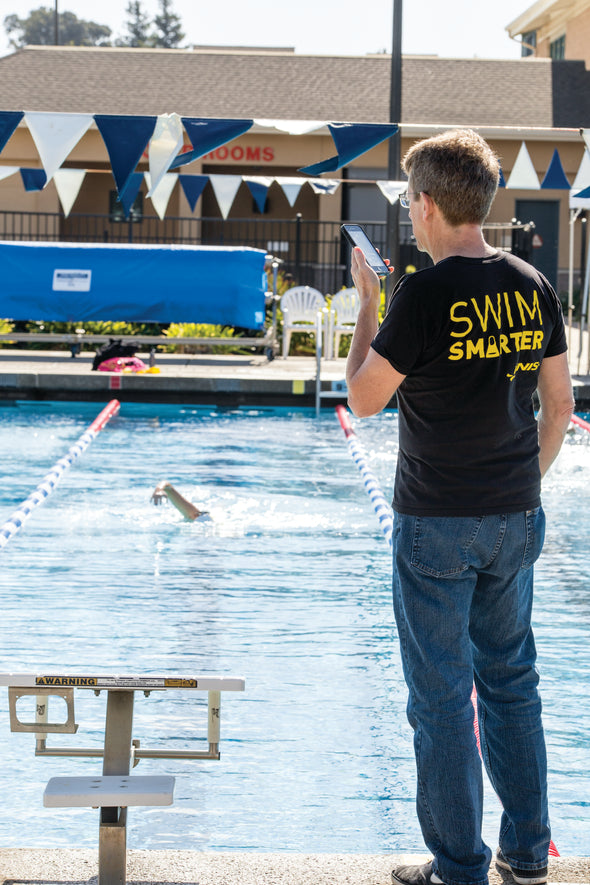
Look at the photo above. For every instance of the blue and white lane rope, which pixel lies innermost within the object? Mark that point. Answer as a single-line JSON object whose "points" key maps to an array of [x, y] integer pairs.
{"points": [[380, 505], [44, 489]]}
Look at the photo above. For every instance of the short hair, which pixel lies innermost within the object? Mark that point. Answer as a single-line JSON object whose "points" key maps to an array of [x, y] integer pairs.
{"points": [[459, 170]]}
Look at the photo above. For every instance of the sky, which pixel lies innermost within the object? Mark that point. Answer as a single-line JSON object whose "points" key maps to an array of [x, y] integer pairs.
{"points": [[453, 29]]}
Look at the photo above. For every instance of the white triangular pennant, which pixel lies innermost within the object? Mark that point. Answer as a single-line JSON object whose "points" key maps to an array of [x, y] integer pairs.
{"points": [[324, 185], [6, 171], [523, 175], [291, 188], [165, 144], [586, 137], [55, 136], [225, 188], [293, 127], [264, 180], [392, 189], [582, 179], [68, 183], [161, 193]]}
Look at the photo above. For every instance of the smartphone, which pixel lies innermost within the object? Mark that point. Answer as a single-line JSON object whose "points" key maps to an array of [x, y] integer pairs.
{"points": [[356, 236]]}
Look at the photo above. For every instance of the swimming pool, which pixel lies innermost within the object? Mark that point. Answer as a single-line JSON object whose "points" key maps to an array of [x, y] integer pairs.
{"points": [[288, 585]]}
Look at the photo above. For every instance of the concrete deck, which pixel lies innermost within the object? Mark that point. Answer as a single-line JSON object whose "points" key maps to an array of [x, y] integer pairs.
{"points": [[68, 867], [208, 379], [199, 379]]}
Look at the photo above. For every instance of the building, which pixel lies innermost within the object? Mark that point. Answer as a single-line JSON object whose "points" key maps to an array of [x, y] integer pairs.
{"points": [[540, 102], [558, 29]]}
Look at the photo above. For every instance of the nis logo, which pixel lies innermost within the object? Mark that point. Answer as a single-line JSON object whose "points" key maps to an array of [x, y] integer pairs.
{"points": [[523, 367]]}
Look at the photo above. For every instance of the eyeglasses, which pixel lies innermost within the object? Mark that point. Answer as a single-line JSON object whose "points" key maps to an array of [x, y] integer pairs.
{"points": [[404, 198]]}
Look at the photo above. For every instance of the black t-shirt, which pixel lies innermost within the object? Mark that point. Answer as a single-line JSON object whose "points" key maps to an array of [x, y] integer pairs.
{"points": [[470, 335]]}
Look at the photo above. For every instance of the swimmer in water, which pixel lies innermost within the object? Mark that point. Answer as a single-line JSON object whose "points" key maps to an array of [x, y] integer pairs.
{"points": [[166, 491]]}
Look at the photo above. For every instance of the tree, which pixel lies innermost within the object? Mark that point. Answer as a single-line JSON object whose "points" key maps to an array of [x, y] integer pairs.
{"points": [[137, 24], [168, 33], [39, 28]]}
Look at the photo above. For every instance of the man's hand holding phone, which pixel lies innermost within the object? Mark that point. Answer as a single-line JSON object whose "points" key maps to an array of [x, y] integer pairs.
{"points": [[357, 236]]}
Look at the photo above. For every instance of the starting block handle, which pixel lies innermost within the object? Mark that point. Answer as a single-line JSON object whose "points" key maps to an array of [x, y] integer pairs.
{"points": [[41, 715], [214, 720], [41, 726]]}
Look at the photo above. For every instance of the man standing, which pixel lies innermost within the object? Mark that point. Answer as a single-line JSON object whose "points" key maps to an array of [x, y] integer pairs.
{"points": [[465, 344]]}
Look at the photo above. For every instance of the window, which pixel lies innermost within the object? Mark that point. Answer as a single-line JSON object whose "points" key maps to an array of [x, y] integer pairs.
{"points": [[528, 44], [117, 213], [557, 48]]}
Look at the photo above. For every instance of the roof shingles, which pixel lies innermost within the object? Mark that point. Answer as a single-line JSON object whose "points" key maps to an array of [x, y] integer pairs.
{"points": [[475, 92]]}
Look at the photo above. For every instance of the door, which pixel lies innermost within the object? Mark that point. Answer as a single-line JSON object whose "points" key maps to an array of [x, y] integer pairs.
{"points": [[545, 215]]}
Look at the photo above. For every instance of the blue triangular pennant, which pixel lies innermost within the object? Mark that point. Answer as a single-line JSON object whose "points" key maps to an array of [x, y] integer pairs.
{"points": [[502, 181], [192, 186], [126, 138], [33, 179], [259, 190], [351, 140], [555, 177], [206, 134], [128, 194], [9, 120]]}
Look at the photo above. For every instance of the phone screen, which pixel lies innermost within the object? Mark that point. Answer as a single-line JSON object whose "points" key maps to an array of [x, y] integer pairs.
{"points": [[356, 235]]}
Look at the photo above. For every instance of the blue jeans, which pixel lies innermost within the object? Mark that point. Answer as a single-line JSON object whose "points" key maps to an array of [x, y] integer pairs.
{"points": [[462, 589]]}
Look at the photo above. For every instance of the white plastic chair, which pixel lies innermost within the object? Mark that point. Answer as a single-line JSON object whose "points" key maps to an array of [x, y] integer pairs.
{"points": [[345, 308], [300, 306]]}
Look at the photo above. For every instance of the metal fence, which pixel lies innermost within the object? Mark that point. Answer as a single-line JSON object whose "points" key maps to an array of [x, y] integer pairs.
{"points": [[313, 252]]}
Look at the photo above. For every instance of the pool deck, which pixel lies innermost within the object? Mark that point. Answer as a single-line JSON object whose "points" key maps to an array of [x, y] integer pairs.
{"points": [[70, 867], [209, 379]]}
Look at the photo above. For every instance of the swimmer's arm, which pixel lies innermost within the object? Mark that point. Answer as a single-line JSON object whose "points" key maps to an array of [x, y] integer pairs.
{"points": [[554, 390], [188, 510]]}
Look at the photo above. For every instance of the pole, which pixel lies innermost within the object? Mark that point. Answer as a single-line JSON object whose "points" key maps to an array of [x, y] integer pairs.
{"points": [[56, 26], [395, 116]]}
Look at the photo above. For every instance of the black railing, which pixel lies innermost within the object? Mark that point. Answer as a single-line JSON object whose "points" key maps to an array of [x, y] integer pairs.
{"points": [[313, 252]]}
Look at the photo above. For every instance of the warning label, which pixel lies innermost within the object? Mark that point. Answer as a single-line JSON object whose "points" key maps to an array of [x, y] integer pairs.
{"points": [[140, 682], [71, 280]]}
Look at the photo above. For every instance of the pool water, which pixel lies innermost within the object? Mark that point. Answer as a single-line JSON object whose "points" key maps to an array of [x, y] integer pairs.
{"points": [[287, 585]]}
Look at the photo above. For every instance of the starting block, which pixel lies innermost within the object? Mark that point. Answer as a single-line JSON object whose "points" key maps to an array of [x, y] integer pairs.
{"points": [[115, 790]]}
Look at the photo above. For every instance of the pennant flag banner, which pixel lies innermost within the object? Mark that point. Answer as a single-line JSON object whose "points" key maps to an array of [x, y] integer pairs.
{"points": [[555, 177], [126, 138], [392, 189], [33, 179], [258, 185], [128, 194], [160, 195], [208, 134], [193, 186], [523, 175], [225, 188], [165, 144], [55, 136], [9, 120], [351, 140], [68, 183]]}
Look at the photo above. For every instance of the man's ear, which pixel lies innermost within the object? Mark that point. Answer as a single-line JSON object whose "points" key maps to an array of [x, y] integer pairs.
{"points": [[428, 205]]}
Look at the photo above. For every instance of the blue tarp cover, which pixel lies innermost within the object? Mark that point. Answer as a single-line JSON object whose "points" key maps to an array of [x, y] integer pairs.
{"points": [[132, 283]]}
